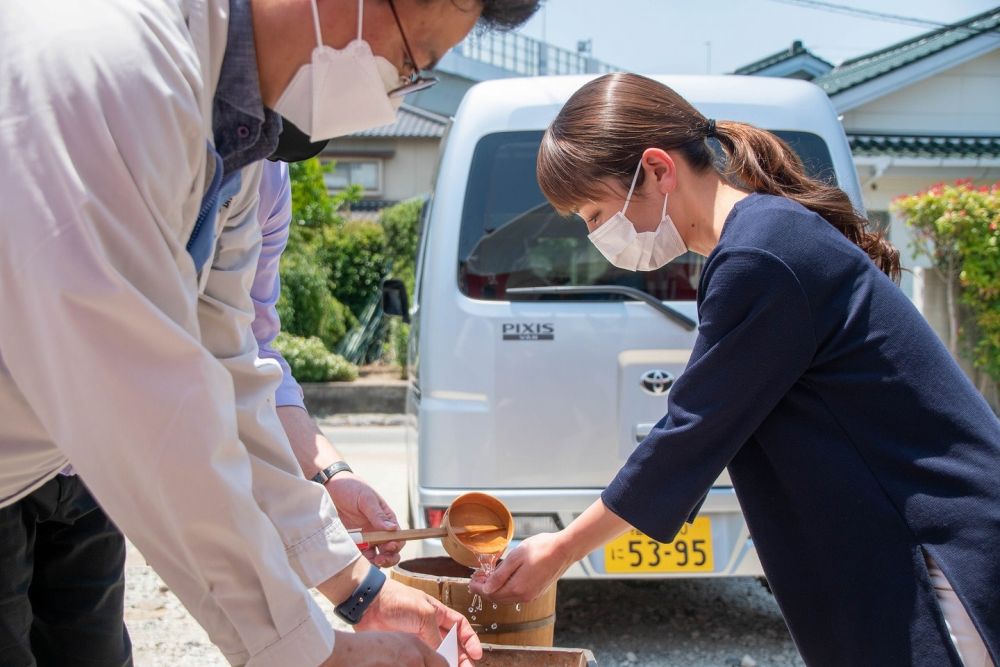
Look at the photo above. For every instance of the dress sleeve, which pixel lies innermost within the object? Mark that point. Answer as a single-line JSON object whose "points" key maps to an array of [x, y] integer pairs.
{"points": [[755, 340], [275, 217]]}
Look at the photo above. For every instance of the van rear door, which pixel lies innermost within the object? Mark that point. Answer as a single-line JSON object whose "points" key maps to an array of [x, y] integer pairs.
{"points": [[560, 365]]}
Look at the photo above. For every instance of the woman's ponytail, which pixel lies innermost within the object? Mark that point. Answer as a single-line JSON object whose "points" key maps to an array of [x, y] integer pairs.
{"points": [[762, 162]]}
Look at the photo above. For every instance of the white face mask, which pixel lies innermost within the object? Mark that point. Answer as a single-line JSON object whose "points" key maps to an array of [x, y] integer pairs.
{"points": [[634, 251], [340, 92]]}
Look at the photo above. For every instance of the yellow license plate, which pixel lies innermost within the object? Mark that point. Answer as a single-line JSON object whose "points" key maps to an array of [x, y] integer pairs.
{"points": [[691, 551]]}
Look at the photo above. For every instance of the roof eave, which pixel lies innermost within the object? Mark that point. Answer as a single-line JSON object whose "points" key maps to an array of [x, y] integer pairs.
{"points": [[914, 72]]}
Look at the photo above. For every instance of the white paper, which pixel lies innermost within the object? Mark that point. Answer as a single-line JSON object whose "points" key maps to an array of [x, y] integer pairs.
{"points": [[449, 647]]}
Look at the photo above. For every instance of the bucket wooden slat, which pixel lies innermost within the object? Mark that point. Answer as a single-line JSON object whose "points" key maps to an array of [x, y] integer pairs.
{"points": [[448, 581], [523, 656]]}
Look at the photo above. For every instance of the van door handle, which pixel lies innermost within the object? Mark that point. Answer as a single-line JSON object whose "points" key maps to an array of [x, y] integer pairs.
{"points": [[642, 430]]}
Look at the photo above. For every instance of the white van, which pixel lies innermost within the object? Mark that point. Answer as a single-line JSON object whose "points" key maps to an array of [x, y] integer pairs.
{"points": [[536, 366]]}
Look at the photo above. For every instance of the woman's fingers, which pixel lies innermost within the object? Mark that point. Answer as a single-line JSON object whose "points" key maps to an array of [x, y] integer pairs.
{"points": [[493, 586]]}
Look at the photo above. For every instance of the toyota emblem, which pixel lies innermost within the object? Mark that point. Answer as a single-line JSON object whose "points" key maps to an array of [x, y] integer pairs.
{"points": [[656, 382]]}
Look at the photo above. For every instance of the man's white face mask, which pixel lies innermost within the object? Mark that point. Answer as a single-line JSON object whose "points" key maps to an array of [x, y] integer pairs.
{"points": [[638, 251], [340, 92]]}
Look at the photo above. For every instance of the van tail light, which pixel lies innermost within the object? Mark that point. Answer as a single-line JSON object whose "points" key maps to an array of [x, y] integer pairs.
{"points": [[434, 516], [526, 525]]}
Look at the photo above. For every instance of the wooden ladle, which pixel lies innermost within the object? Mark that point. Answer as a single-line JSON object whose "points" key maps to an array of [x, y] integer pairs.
{"points": [[474, 524], [365, 539]]}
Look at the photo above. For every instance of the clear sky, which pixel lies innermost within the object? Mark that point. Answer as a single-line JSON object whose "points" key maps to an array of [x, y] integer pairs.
{"points": [[670, 36]]}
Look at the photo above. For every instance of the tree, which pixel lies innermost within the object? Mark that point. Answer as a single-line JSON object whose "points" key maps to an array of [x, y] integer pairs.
{"points": [[958, 228]]}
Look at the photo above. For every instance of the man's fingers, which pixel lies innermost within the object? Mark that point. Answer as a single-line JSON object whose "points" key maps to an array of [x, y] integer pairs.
{"points": [[376, 511], [430, 629], [391, 547], [431, 657], [468, 642], [388, 514], [386, 560]]}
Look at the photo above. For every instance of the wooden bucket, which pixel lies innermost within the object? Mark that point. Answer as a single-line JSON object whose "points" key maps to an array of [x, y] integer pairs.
{"points": [[524, 624], [524, 656]]}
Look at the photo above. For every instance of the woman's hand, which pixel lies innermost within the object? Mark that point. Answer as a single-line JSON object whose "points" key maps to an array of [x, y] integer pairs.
{"points": [[539, 561], [527, 571]]}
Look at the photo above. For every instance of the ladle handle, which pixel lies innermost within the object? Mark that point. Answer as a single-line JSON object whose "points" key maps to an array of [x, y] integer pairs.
{"points": [[383, 536]]}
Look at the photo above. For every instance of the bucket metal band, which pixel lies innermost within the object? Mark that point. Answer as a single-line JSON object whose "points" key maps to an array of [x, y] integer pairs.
{"points": [[523, 626]]}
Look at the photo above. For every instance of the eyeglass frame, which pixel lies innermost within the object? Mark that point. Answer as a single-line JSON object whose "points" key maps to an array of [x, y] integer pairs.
{"points": [[416, 81]]}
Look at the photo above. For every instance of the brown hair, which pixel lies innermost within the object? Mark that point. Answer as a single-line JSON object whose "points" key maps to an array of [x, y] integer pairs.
{"points": [[605, 126]]}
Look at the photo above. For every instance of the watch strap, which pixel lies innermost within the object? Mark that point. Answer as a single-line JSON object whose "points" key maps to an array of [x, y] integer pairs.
{"points": [[324, 475], [354, 607]]}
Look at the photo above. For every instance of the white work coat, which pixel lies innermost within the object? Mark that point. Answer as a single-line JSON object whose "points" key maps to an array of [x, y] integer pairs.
{"points": [[115, 355]]}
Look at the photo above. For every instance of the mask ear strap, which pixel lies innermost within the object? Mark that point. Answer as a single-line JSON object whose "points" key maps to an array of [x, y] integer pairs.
{"points": [[635, 179], [315, 11], [664, 213], [361, 13]]}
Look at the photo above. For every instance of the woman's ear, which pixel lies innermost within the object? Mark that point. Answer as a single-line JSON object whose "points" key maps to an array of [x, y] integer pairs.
{"points": [[659, 165]]}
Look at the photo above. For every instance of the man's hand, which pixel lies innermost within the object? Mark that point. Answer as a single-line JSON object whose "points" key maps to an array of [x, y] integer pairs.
{"points": [[382, 649], [401, 608], [359, 506]]}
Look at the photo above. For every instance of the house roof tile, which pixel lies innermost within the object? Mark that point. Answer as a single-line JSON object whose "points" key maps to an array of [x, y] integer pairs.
{"points": [[411, 122], [864, 68], [924, 146]]}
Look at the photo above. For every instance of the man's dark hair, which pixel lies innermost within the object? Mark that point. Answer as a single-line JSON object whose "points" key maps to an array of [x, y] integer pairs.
{"points": [[506, 14]]}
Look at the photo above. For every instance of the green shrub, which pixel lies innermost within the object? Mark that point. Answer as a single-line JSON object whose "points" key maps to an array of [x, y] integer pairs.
{"points": [[395, 349], [402, 229], [354, 254], [313, 207], [310, 361], [306, 307], [958, 228]]}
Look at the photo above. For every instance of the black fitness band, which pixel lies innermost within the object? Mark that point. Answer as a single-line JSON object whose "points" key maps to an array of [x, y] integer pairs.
{"points": [[354, 607]]}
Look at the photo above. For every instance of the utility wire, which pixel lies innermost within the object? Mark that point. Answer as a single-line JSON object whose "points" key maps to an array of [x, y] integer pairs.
{"points": [[869, 14]]}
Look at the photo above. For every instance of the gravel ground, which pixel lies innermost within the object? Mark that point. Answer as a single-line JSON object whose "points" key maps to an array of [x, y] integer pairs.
{"points": [[692, 623], [680, 623], [163, 633]]}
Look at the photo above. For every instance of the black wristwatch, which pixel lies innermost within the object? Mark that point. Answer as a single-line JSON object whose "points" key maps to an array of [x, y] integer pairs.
{"points": [[354, 607], [324, 475]]}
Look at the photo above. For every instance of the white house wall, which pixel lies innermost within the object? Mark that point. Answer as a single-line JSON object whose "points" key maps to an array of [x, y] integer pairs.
{"points": [[411, 169], [961, 100]]}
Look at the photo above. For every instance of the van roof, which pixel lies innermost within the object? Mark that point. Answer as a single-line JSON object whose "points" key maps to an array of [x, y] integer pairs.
{"points": [[531, 103]]}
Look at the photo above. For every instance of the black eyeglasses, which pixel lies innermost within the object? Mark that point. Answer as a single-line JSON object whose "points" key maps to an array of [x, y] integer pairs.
{"points": [[416, 81]]}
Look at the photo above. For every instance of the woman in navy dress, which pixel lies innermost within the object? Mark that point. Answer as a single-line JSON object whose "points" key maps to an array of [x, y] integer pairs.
{"points": [[866, 464]]}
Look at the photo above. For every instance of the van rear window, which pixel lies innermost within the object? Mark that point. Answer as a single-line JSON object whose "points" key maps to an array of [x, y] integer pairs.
{"points": [[511, 237]]}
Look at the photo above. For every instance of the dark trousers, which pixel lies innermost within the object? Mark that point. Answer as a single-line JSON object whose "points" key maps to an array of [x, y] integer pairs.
{"points": [[62, 583]]}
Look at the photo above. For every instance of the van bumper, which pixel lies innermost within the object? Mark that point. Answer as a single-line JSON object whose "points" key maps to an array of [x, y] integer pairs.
{"points": [[733, 552]]}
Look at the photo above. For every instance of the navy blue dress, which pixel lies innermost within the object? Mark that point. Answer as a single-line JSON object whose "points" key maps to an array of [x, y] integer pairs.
{"points": [[855, 443]]}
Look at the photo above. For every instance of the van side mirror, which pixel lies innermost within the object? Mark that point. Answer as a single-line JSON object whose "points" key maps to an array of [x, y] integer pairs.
{"points": [[394, 299]]}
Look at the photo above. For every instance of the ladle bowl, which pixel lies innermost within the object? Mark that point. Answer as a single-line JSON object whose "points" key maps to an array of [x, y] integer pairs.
{"points": [[476, 509]]}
